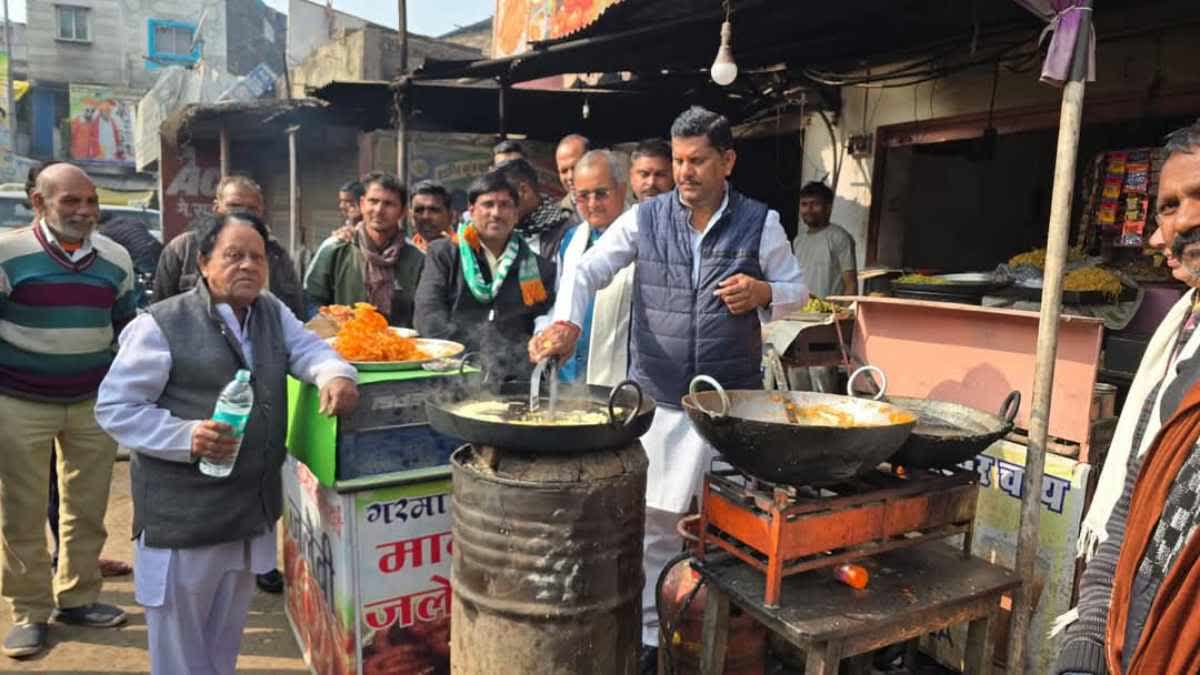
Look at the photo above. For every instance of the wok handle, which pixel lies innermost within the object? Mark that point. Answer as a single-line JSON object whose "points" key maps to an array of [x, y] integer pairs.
{"points": [[612, 397], [1008, 409], [882, 377], [464, 361], [705, 379]]}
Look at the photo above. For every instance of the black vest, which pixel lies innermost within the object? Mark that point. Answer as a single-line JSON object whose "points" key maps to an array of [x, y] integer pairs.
{"points": [[174, 504], [680, 329]]}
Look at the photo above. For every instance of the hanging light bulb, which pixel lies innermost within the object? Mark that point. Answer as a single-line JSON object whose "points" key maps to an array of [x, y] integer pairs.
{"points": [[587, 109], [724, 70]]}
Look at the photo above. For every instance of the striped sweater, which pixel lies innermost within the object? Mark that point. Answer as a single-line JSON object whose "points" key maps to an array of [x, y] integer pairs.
{"points": [[58, 318]]}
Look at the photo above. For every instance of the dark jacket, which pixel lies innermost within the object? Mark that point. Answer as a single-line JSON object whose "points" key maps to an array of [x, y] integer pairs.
{"points": [[545, 227], [335, 276], [681, 329], [178, 271], [131, 233], [175, 505], [500, 330]]}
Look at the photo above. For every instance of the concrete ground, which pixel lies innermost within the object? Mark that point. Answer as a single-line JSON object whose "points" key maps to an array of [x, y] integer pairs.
{"points": [[267, 646]]}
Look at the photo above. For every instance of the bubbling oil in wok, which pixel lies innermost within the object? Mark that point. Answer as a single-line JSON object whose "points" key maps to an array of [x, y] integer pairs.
{"points": [[569, 413], [821, 415]]}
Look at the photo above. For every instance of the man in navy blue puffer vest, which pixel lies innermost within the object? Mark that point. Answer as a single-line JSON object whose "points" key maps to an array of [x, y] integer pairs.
{"points": [[711, 265]]}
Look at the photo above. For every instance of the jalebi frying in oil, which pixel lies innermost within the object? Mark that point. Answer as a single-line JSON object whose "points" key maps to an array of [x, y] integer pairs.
{"points": [[366, 337]]}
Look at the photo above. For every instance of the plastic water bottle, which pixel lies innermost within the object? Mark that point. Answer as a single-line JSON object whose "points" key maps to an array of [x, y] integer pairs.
{"points": [[233, 408]]}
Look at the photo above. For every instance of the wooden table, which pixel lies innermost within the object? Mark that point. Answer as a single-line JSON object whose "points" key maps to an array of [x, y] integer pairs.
{"points": [[911, 592]]}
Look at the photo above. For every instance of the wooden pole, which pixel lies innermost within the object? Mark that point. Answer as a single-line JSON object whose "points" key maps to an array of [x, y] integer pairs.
{"points": [[401, 104], [293, 193], [224, 142], [1047, 344]]}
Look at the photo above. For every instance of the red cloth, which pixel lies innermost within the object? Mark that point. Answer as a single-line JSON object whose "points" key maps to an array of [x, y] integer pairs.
{"points": [[1170, 640]]}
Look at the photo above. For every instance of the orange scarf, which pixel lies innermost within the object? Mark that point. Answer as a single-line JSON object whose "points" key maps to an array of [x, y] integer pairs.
{"points": [[1170, 641]]}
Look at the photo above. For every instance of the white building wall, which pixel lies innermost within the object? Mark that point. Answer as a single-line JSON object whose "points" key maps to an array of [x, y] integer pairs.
{"points": [[114, 56], [311, 25]]}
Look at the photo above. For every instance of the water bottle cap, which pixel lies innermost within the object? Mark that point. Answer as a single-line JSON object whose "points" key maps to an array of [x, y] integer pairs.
{"points": [[243, 375]]}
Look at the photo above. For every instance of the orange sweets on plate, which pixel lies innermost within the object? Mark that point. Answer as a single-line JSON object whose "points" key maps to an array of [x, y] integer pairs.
{"points": [[366, 337]]}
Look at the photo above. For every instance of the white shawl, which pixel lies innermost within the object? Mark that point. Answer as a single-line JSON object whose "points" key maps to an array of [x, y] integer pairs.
{"points": [[608, 345], [1155, 367]]}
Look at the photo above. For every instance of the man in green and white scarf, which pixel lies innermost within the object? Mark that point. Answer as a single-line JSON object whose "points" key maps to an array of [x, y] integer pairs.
{"points": [[486, 289]]}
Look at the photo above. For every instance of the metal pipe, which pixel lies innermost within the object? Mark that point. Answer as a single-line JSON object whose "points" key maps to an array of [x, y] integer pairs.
{"points": [[1047, 344], [11, 110], [293, 192], [224, 143], [401, 103], [503, 101]]}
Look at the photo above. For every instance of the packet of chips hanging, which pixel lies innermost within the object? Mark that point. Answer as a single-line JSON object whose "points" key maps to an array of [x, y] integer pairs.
{"points": [[1135, 219], [1134, 198]]}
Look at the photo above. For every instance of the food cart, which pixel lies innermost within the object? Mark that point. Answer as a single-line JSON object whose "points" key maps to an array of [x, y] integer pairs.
{"points": [[367, 542]]}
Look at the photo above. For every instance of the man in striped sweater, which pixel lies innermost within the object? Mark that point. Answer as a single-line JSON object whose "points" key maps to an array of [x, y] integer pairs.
{"points": [[65, 293]]}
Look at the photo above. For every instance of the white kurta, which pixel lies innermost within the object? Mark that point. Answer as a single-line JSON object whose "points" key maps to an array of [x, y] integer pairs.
{"points": [[126, 407], [608, 344]]}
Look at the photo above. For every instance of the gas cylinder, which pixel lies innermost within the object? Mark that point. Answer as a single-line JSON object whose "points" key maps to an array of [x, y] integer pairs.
{"points": [[745, 650]]}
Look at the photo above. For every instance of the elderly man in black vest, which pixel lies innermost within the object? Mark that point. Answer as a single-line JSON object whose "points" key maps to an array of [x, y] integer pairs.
{"points": [[199, 540], [710, 261]]}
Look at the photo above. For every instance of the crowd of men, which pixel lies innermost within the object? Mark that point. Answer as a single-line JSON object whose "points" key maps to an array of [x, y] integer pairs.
{"points": [[656, 269]]}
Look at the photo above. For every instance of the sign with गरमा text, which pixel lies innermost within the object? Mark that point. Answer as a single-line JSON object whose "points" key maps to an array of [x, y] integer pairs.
{"points": [[404, 553]]}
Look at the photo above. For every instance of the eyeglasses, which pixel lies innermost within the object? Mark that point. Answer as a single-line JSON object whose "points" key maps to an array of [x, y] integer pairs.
{"points": [[586, 195]]}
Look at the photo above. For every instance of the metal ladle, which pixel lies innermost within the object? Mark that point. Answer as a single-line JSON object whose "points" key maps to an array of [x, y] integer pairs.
{"points": [[535, 385]]}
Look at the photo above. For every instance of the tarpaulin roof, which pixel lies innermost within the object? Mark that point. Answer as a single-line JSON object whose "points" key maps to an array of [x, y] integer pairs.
{"points": [[649, 36], [535, 113]]}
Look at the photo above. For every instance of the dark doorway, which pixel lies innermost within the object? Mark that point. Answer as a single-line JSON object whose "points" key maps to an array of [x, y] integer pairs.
{"points": [[768, 169]]}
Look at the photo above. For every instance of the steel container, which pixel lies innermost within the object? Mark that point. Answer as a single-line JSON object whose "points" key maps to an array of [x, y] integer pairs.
{"points": [[1104, 401], [547, 570]]}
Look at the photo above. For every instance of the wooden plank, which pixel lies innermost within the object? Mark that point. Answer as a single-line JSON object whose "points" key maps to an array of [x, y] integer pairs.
{"points": [[905, 584], [872, 637], [714, 633], [981, 642], [823, 659]]}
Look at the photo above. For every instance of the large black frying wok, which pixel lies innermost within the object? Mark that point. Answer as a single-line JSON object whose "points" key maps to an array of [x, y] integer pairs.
{"points": [[752, 431], [948, 434], [630, 413]]}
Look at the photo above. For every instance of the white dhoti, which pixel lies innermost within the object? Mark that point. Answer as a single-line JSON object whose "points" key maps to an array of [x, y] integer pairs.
{"points": [[197, 601], [678, 459]]}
